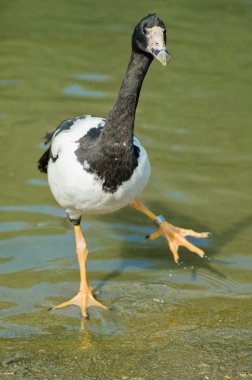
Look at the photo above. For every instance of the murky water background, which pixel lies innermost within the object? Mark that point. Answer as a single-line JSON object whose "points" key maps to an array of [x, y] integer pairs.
{"points": [[60, 59]]}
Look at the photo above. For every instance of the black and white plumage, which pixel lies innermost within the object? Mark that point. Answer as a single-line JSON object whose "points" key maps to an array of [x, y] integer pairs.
{"points": [[83, 184], [96, 165]]}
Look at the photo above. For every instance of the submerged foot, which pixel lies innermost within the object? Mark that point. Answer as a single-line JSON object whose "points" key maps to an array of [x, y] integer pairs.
{"points": [[83, 300], [175, 237]]}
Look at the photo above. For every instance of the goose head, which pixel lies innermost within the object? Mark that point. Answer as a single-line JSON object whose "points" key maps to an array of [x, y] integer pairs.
{"points": [[149, 37]]}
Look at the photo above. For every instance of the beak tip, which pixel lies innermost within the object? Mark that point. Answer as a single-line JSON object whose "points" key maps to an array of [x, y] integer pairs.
{"points": [[163, 57]]}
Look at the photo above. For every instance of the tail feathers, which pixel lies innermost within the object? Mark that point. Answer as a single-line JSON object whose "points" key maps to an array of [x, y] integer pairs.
{"points": [[48, 137], [43, 161]]}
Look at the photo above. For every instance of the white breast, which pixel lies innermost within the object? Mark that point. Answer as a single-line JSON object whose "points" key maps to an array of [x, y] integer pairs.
{"points": [[80, 192]]}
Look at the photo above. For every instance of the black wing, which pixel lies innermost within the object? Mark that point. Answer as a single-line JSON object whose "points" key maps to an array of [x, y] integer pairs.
{"points": [[64, 125]]}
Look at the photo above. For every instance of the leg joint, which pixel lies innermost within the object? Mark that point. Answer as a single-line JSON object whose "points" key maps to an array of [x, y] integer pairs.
{"points": [[81, 246], [75, 221]]}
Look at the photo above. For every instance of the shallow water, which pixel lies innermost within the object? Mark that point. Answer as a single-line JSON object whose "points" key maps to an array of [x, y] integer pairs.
{"points": [[167, 321]]}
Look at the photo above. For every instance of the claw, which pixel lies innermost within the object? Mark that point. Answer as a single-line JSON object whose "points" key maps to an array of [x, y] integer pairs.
{"points": [[155, 235]]}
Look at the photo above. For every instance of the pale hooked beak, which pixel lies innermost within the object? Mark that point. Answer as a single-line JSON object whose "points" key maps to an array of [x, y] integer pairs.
{"points": [[156, 44], [162, 56]]}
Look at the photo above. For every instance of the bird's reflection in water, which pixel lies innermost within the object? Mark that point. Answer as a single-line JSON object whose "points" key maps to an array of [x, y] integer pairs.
{"points": [[85, 337]]}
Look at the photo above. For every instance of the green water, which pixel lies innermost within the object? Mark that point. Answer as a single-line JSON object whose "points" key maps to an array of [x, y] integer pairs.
{"points": [[60, 59]]}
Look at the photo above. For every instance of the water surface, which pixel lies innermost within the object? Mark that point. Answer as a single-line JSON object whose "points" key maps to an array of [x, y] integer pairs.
{"points": [[194, 117]]}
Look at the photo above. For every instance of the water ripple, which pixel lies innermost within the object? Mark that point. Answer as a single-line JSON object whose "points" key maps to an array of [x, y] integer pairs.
{"points": [[8, 82], [37, 182], [38, 209], [91, 77], [77, 90]]}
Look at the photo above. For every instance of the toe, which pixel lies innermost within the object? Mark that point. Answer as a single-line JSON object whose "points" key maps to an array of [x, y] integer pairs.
{"points": [[84, 314], [193, 233], [173, 245], [193, 248], [154, 235]]}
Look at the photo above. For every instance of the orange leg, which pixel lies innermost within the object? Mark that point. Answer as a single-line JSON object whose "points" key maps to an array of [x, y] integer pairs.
{"points": [[84, 297], [174, 236]]}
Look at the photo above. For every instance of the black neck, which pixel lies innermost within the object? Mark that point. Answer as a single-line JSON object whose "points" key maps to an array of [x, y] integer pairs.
{"points": [[120, 121]]}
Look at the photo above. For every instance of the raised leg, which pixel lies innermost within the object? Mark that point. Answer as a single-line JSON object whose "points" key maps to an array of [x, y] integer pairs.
{"points": [[84, 297], [174, 236]]}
